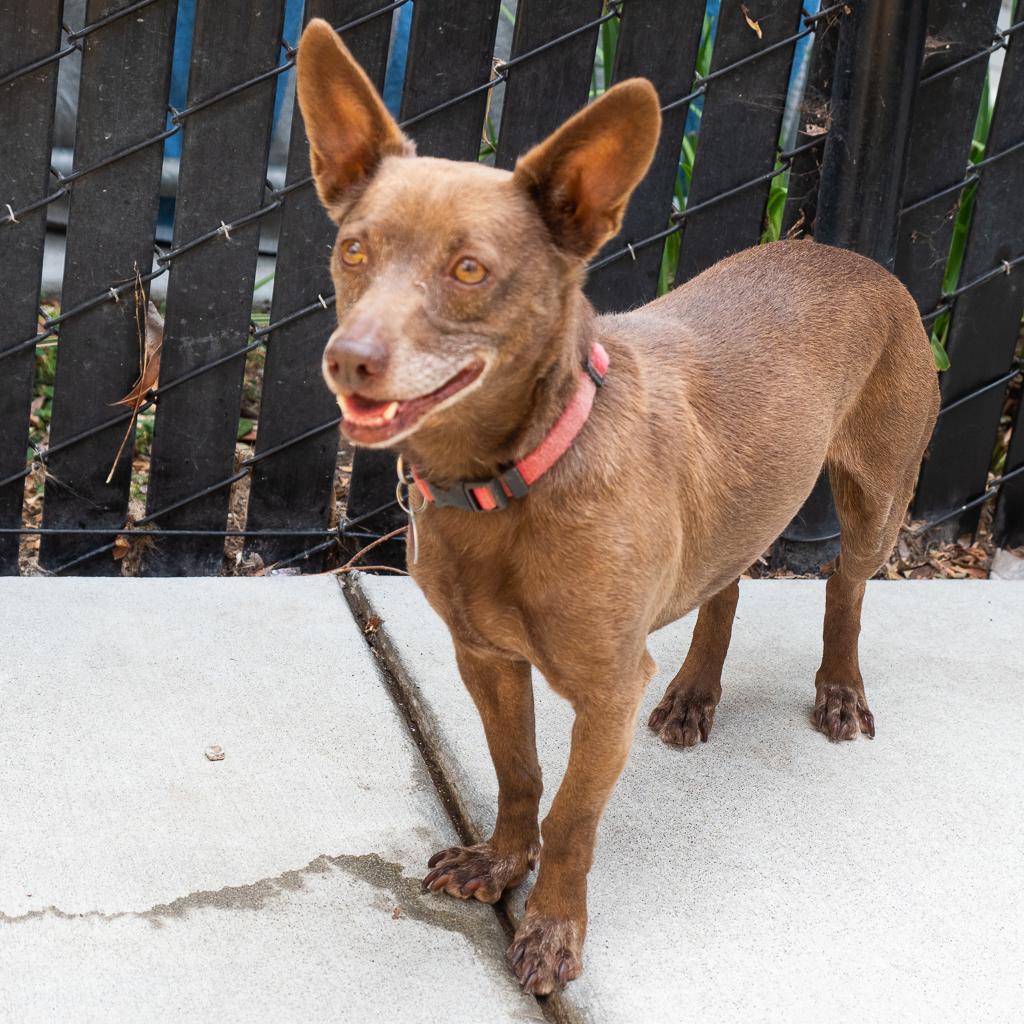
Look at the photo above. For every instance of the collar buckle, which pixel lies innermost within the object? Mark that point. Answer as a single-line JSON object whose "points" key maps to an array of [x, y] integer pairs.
{"points": [[492, 487]]}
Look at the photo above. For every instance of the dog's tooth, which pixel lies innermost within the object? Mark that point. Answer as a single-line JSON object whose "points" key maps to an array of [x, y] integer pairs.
{"points": [[390, 412]]}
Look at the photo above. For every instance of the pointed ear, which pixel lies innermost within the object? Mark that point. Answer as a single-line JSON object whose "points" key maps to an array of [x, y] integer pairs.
{"points": [[582, 176], [350, 130]]}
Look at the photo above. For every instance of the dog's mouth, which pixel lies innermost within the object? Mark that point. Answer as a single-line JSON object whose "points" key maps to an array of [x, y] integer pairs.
{"points": [[371, 422]]}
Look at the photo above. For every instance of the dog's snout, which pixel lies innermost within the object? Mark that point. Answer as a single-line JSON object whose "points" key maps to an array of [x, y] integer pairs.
{"points": [[355, 356]]}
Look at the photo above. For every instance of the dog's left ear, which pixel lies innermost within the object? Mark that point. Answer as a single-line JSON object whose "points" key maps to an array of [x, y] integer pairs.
{"points": [[582, 176], [350, 130]]}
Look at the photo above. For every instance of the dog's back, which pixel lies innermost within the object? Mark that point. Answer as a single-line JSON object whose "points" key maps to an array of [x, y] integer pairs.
{"points": [[765, 367]]}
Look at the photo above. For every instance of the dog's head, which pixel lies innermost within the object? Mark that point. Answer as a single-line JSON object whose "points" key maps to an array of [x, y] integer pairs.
{"points": [[448, 273]]}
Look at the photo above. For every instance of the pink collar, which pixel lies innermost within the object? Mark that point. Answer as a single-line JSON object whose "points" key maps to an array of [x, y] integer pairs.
{"points": [[515, 482]]}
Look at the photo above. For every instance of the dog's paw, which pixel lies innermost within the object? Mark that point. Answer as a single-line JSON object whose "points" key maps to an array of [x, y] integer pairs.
{"points": [[841, 712], [545, 953], [683, 719], [478, 872]]}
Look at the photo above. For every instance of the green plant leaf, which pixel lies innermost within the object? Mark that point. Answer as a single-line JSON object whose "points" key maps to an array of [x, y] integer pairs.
{"points": [[939, 353]]}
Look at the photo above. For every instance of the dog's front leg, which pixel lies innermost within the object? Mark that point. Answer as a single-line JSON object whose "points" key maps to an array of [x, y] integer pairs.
{"points": [[503, 693], [546, 950]]}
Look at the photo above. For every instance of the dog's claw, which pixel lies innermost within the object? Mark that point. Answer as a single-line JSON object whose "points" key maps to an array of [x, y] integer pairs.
{"points": [[842, 713], [563, 973], [657, 719], [477, 872], [436, 859]]}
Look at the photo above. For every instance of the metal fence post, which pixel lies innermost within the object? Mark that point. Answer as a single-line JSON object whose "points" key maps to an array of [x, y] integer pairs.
{"points": [[878, 61]]}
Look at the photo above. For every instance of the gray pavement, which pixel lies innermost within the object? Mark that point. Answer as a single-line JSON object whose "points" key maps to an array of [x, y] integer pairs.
{"points": [[766, 876], [140, 881], [770, 875]]}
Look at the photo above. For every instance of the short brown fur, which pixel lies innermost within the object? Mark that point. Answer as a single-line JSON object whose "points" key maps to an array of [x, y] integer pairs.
{"points": [[723, 401]]}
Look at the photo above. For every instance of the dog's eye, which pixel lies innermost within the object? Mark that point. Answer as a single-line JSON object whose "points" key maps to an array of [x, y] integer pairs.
{"points": [[352, 252], [469, 271]]}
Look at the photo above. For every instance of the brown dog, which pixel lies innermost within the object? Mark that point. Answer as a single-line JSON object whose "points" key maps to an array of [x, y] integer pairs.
{"points": [[461, 341]]}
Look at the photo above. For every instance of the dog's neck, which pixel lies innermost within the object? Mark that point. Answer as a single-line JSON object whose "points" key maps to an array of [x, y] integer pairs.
{"points": [[518, 415]]}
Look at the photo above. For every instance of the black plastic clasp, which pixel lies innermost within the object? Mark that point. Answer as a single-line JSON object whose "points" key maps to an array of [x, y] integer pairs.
{"points": [[462, 496], [493, 486], [515, 483]]}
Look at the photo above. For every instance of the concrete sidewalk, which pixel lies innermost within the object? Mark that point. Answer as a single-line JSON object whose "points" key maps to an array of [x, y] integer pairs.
{"points": [[770, 875], [766, 876], [140, 881]]}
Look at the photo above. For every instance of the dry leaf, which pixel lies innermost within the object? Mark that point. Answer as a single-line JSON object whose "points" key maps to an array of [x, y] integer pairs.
{"points": [[755, 27], [976, 572], [814, 129], [121, 547], [151, 339], [149, 374]]}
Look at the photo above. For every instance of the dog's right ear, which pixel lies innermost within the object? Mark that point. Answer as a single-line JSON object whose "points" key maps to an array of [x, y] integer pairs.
{"points": [[350, 130]]}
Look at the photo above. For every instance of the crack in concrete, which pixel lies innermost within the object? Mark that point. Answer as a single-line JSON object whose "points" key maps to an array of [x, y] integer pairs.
{"points": [[404, 893]]}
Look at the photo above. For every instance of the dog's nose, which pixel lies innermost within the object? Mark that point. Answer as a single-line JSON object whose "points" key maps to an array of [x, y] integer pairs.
{"points": [[354, 356]]}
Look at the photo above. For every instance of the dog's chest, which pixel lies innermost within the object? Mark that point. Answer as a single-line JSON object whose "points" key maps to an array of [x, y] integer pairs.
{"points": [[478, 594]]}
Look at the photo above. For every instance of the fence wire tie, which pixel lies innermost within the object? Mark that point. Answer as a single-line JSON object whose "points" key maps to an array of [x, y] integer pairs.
{"points": [[225, 231], [321, 299], [1007, 267], [114, 294], [11, 219], [629, 246]]}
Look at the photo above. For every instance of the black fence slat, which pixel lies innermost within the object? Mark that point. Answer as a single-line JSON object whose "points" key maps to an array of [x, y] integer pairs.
{"points": [[210, 291], [545, 89], [28, 32], [945, 110], [739, 130], [295, 489], [1008, 525], [658, 40], [122, 101], [440, 29], [371, 502], [986, 318]]}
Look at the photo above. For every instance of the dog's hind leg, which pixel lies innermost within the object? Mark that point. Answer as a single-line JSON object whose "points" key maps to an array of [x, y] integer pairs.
{"points": [[503, 693], [873, 465], [687, 711]]}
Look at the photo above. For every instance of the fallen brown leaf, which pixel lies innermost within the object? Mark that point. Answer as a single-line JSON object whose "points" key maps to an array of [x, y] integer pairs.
{"points": [[149, 371], [754, 26], [151, 339]]}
